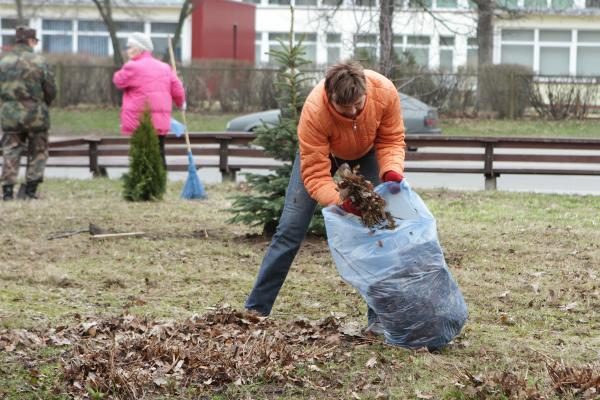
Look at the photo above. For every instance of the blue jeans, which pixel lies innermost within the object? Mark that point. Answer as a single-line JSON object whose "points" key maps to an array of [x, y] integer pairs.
{"points": [[295, 218]]}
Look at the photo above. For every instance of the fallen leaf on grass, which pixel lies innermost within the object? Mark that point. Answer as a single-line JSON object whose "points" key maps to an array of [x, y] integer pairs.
{"points": [[505, 319], [569, 307], [420, 395], [371, 362], [351, 328]]}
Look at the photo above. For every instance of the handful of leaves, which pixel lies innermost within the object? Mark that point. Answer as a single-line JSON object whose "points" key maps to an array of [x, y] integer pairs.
{"points": [[360, 191]]}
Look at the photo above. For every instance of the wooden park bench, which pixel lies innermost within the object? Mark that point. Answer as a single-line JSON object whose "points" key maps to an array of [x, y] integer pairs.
{"points": [[488, 156]]}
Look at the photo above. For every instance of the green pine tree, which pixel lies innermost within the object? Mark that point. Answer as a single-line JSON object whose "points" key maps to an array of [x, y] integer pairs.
{"points": [[147, 177], [264, 204]]}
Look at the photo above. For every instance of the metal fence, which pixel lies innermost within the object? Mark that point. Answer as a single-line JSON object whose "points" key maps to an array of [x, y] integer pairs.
{"points": [[232, 88]]}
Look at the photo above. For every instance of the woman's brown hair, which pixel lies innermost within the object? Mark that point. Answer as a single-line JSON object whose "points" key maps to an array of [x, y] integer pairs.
{"points": [[345, 82]]}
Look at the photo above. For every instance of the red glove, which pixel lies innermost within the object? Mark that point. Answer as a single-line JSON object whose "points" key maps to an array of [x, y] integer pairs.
{"points": [[392, 176], [395, 178], [349, 207]]}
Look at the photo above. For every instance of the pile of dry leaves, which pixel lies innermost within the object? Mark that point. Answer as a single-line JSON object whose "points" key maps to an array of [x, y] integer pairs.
{"points": [[581, 382], [130, 357], [371, 205]]}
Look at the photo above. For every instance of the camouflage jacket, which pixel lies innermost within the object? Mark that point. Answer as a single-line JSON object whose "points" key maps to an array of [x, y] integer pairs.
{"points": [[26, 90]]}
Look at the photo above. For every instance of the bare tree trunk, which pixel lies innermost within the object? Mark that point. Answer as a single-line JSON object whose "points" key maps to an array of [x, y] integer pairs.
{"points": [[186, 10], [105, 10], [19, 5], [485, 43], [386, 37]]}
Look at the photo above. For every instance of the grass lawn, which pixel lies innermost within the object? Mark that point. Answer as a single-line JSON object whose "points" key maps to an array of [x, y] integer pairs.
{"points": [[105, 122], [527, 128], [526, 263]]}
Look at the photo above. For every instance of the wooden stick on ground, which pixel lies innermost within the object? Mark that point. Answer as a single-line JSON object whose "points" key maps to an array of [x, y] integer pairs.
{"points": [[117, 235]]}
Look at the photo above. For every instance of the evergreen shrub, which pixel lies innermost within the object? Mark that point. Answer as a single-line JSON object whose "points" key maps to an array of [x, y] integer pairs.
{"points": [[147, 177], [263, 205]]}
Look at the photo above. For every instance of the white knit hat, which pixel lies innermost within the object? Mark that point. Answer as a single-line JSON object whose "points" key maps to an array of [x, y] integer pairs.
{"points": [[141, 41]]}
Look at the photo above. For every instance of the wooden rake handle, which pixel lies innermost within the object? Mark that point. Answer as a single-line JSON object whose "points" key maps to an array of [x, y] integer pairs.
{"points": [[174, 66]]}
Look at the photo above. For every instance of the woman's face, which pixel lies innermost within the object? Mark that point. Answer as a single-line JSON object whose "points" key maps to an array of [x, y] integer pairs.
{"points": [[132, 51], [350, 110]]}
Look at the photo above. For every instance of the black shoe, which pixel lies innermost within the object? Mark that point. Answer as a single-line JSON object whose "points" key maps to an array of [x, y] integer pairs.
{"points": [[7, 193], [28, 191]]}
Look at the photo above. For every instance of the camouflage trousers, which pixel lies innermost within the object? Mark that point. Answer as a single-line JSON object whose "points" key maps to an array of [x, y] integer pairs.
{"points": [[16, 144]]}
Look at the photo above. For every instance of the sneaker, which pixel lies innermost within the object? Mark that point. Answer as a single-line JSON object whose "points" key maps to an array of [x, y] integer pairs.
{"points": [[374, 328]]}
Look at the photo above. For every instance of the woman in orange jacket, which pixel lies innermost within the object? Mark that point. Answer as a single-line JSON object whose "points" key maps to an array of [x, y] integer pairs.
{"points": [[353, 116]]}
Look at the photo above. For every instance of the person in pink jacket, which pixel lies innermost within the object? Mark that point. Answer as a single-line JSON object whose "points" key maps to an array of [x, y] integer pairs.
{"points": [[147, 82]]}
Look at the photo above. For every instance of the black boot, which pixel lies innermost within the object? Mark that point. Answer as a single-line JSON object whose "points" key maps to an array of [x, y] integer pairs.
{"points": [[31, 189], [7, 191], [28, 191]]}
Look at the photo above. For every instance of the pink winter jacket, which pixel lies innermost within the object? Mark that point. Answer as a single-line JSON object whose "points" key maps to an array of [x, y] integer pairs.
{"points": [[147, 81]]}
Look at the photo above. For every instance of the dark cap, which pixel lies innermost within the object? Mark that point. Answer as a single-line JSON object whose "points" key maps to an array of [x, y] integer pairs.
{"points": [[22, 33]]}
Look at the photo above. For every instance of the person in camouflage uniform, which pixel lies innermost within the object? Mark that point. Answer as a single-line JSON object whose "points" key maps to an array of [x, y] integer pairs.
{"points": [[27, 88]]}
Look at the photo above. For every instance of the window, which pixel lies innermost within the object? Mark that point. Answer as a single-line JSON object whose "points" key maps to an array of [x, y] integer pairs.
{"points": [[275, 40], [163, 27], [418, 48], [93, 38], [562, 4], [447, 3], [535, 4], [93, 45], [517, 46], [57, 25], [588, 59], [420, 4], [11, 23], [129, 26], [258, 47], [555, 36], [57, 36], [588, 36], [472, 53], [592, 3], [365, 47], [333, 3], [588, 52], [280, 2], [554, 52], [398, 42], [92, 26], [334, 47], [160, 33], [57, 43], [446, 53], [364, 3], [309, 43], [517, 35], [517, 55], [251, 1], [305, 2], [510, 4], [8, 31]]}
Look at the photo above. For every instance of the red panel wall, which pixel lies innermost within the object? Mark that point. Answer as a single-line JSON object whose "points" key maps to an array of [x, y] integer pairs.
{"points": [[223, 30]]}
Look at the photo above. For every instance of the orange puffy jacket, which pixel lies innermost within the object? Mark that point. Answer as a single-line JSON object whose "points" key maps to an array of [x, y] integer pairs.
{"points": [[323, 131]]}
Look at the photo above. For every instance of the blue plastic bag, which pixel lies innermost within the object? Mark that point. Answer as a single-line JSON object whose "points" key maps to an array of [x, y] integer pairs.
{"points": [[176, 127], [401, 273]]}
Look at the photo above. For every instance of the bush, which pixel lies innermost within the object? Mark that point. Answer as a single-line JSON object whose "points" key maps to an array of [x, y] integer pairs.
{"points": [[264, 205], [147, 177], [505, 88], [564, 97]]}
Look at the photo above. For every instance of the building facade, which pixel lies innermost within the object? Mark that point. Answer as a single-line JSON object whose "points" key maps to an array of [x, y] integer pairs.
{"points": [[554, 37]]}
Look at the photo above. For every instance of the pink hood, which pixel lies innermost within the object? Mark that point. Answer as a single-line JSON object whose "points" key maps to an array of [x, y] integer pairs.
{"points": [[147, 81]]}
